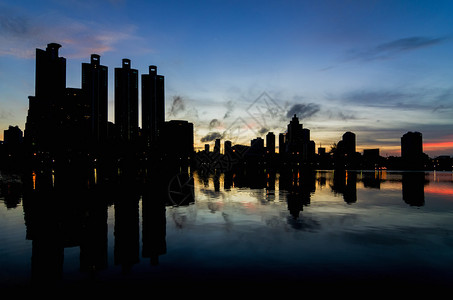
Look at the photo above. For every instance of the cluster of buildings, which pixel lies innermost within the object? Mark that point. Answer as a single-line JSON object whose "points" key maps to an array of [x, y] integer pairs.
{"points": [[297, 149], [64, 123]]}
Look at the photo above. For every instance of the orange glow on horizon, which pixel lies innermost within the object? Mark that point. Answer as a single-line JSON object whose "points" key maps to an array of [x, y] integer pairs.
{"points": [[437, 145]]}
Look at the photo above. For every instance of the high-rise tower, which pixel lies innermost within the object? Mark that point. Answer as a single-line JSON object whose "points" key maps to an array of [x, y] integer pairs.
{"points": [[270, 143], [126, 102], [153, 106], [349, 143], [50, 79], [294, 136], [412, 145], [45, 107], [95, 89]]}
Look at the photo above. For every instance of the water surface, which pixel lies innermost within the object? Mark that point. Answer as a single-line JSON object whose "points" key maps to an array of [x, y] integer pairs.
{"points": [[292, 229]]}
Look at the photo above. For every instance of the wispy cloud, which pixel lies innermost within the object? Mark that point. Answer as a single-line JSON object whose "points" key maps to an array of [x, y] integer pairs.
{"points": [[182, 108], [211, 136], [303, 111], [393, 48], [438, 99], [21, 33]]}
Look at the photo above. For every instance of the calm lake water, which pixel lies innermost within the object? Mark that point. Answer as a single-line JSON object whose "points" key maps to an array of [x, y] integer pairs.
{"points": [[293, 229]]}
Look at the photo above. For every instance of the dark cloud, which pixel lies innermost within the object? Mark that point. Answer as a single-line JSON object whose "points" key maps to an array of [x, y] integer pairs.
{"points": [[303, 111], [392, 48], [211, 137], [177, 106], [263, 130], [214, 123]]}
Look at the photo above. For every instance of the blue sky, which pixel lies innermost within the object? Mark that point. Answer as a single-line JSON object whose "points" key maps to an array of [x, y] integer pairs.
{"points": [[238, 69]]}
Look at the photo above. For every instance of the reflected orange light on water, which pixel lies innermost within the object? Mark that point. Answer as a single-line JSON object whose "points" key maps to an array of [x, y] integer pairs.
{"points": [[34, 180], [440, 190]]}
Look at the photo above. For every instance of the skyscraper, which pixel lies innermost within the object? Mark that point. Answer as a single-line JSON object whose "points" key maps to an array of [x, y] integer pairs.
{"points": [[282, 143], [50, 79], [227, 148], [13, 138], [412, 149], [217, 146], [44, 111], [298, 143], [153, 105], [94, 86], [177, 139], [126, 102], [270, 143], [294, 136], [349, 143]]}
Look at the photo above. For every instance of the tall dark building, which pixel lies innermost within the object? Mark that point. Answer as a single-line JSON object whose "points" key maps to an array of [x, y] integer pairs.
{"points": [[50, 79], [227, 148], [13, 136], [282, 144], [256, 147], [270, 143], [298, 143], [75, 122], [411, 145], [217, 146], [177, 139], [294, 136], [412, 150], [153, 105], [11, 151], [44, 111], [126, 102], [95, 87], [349, 144]]}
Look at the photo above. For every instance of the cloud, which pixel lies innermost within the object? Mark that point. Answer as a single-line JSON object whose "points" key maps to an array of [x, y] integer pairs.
{"points": [[5, 114], [390, 49], [379, 98], [177, 106], [230, 107], [436, 99], [20, 34], [214, 123], [263, 130], [211, 136], [339, 114], [303, 111]]}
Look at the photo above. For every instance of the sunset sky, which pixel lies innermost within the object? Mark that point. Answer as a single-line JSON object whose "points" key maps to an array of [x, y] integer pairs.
{"points": [[238, 69]]}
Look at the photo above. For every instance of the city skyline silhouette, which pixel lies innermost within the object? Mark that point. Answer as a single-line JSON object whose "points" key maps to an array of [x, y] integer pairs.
{"points": [[337, 76], [78, 117], [238, 147]]}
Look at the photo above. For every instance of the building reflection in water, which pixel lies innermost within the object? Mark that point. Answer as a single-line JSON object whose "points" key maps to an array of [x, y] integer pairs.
{"points": [[299, 185], [127, 228], [345, 183], [413, 188], [63, 209], [68, 207]]}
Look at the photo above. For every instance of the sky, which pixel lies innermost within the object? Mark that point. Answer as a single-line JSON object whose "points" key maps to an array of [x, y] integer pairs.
{"points": [[239, 69]]}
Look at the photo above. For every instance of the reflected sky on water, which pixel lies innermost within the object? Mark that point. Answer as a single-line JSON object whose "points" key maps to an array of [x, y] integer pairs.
{"points": [[257, 227]]}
